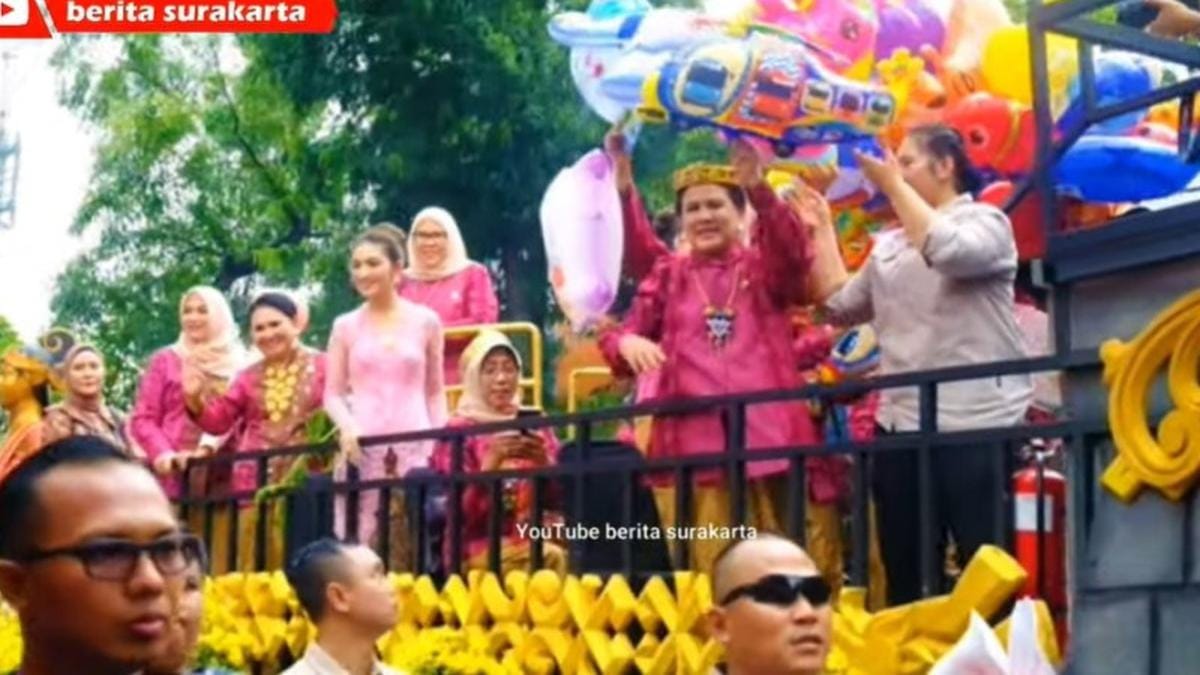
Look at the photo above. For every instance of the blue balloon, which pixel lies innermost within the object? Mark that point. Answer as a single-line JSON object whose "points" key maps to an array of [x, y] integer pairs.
{"points": [[1119, 77], [1119, 169]]}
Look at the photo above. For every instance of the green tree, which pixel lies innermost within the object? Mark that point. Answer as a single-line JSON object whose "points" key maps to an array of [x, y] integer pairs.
{"points": [[8, 335], [1017, 9], [470, 106], [206, 173], [8, 338]]}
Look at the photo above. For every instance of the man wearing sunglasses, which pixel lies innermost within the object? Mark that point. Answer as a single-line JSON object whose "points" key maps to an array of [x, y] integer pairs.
{"points": [[89, 552], [771, 611]]}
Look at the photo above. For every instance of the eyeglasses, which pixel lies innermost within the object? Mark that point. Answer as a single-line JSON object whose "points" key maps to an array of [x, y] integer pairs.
{"points": [[782, 590], [115, 560]]}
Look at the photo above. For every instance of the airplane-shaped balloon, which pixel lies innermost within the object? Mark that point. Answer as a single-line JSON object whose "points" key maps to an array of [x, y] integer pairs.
{"points": [[768, 85]]}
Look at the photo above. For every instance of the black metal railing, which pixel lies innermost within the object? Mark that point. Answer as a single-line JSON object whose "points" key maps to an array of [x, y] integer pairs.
{"points": [[583, 469], [1135, 240]]}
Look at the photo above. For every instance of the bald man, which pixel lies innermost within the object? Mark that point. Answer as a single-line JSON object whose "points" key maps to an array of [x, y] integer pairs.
{"points": [[771, 608]]}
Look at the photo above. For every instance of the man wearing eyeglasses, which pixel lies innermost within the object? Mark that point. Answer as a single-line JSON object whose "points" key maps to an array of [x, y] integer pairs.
{"points": [[772, 612], [89, 552]]}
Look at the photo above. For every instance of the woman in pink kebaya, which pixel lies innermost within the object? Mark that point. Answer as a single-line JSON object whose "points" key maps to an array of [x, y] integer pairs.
{"points": [[272, 401], [441, 277], [209, 351], [384, 377]]}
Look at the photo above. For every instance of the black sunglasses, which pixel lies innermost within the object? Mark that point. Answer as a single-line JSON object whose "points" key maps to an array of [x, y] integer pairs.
{"points": [[116, 559], [782, 590]]}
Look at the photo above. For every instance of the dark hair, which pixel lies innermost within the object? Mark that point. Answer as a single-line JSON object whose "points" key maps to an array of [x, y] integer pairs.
{"points": [[311, 571], [277, 301], [736, 195], [387, 237], [666, 226], [18, 492], [943, 142]]}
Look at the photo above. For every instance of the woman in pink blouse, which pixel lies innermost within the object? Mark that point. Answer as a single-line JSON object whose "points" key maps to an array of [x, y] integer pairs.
{"points": [[491, 370], [208, 349], [441, 277], [385, 377], [272, 400], [716, 320]]}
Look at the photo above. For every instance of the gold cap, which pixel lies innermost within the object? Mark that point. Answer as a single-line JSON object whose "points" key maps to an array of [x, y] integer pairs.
{"points": [[704, 174]]}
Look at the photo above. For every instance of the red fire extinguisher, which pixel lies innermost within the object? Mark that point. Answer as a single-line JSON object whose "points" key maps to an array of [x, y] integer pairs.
{"points": [[1042, 551]]}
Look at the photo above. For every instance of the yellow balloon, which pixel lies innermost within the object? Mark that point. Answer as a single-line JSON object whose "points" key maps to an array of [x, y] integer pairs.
{"points": [[1007, 69]]}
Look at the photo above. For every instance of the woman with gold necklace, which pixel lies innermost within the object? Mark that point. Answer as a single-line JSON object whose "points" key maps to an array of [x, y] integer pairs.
{"points": [[716, 320], [273, 399]]}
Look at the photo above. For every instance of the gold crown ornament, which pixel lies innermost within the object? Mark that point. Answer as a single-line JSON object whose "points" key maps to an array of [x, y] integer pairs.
{"points": [[704, 174]]}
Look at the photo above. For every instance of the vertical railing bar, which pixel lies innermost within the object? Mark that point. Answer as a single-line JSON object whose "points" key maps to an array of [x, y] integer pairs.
{"points": [[860, 524], [926, 535], [735, 448], [495, 522], [539, 515], [455, 516], [260, 526]]}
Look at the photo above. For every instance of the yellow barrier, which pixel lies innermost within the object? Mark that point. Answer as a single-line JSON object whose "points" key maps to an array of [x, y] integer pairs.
{"points": [[532, 379], [583, 383], [543, 623]]}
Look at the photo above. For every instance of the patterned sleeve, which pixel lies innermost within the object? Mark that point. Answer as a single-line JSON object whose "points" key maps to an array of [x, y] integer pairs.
{"points": [[642, 246], [221, 414], [435, 386], [337, 379], [145, 425], [645, 316], [781, 244], [482, 305]]}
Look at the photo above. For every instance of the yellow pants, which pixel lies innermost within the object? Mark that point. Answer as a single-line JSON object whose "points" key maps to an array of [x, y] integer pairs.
{"points": [[766, 501], [247, 525], [518, 556]]}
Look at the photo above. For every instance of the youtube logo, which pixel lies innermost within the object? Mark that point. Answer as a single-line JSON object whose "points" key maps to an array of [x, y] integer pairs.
{"points": [[14, 12]]}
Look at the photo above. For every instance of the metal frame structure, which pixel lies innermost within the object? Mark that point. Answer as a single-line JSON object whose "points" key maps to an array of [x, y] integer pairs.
{"points": [[1078, 434], [1130, 242]]}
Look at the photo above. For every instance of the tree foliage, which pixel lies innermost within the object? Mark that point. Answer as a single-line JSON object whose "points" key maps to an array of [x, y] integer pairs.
{"points": [[203, 175], [214, 172], [470, 105], [8, 335]]}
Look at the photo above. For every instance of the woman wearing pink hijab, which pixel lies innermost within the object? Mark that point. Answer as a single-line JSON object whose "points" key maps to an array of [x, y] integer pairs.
{"points": [[441, 277], [208, 348]]}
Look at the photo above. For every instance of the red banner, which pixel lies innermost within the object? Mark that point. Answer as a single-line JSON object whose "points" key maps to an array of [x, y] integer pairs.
{"points": [[23, 18]]}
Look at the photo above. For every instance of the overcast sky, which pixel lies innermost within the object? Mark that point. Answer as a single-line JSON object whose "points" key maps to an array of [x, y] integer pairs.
{"points": [[56, 156]]}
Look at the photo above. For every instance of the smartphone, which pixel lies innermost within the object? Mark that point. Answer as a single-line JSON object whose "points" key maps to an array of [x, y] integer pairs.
{"points": [[529, 412]]}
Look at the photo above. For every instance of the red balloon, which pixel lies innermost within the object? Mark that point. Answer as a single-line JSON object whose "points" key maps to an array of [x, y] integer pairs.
{"points": [[999, 134]]}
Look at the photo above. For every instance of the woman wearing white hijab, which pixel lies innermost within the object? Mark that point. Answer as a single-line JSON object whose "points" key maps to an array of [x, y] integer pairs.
{"points": [[208, 348], [441, 277]]}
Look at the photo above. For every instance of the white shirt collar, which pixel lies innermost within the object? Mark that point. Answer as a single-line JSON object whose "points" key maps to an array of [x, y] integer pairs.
{"points": [[322, 663]]}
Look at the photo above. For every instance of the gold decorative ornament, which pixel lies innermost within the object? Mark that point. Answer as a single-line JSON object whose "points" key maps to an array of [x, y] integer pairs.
{"points": [[1170, 460], [704, 174], [279, 390]]}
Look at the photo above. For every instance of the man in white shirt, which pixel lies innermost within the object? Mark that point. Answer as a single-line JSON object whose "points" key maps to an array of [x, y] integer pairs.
{"points": [[345, 591]]}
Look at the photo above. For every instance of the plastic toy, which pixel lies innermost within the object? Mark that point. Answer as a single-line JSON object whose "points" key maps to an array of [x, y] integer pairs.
{"points": [[1007, 69], [854, 355], [1118, 77], [999, 134], [1122, 169], [907, 24], [581, 229], [764, 86], [843, 31]]}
